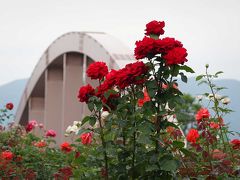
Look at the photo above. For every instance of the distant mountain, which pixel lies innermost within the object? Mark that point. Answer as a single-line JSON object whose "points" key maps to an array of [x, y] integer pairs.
{"points": [[12, 92]]}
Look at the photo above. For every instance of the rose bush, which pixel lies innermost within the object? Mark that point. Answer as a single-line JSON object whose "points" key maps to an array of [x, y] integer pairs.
{"points": [[132, 140], [133, 128]]}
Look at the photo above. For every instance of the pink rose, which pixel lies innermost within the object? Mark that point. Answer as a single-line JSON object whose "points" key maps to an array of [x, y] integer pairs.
{"points": [[50, 133]]}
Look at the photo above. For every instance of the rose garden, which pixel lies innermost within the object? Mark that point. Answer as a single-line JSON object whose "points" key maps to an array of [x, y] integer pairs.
{"points": [[135, 129]]}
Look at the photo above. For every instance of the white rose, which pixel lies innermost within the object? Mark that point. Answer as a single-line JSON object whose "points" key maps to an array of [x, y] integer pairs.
{"points": [[226, 100], [104, 115], [75, 129], [76, 123], [69, 129], [217, 97]]}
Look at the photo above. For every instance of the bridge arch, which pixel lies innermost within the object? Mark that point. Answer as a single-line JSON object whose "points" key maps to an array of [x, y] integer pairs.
{"points": [[51, 91]]}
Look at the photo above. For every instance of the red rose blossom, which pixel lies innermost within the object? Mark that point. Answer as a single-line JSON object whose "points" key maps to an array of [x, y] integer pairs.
{"points": [[85, 92], [176, 56], [131, 74], [7, 155], [218, 155], [111, 78], [97, 70], [192, 136], [31, 125], [235, 143], [50, 133], [155, 27], [145, 48], [66, 147], [104, 87], [202, 113], [214, 125], [86, 138], [166, 44], [9, 106], [77, 154], [40, 144], [63, 173]]}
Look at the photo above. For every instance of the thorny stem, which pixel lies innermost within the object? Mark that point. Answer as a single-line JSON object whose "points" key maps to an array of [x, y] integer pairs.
{"points": [[103, 142], [215, 106], [134, 134], [218, 115]]}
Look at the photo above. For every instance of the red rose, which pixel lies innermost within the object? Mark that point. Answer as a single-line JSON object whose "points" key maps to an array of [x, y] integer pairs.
{"points": [[50, 133], [64, 173], [217, 154], [30, 174], [146, 98], [31, 125], [66, 147], [214, 125], [104, 172], [131, 74], [86, 138], [100, 90], [235, 143], [145, 48], [97, 70], [40, 144], [176, 56], [192, 136], [170, 129], [202, 113], [77, 154], [9, 106], [7, 155], [155, 27], [85, 92], [111, 78], [166, 44]]}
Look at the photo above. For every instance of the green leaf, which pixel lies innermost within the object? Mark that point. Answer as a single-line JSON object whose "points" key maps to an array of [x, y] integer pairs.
{"points": [[98, 105], [187, 69], [143, 139], [186, 152], [217, 73], [92, 121], [183, 77], [90, 106], [175, 70], [199, 77], [152, 167], [85, 119], [139, 95], [168, 164], [178, 144]]}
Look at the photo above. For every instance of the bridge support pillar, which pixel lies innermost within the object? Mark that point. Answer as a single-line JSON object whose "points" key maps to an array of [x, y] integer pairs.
{"points": [[36, 109], [54, 100], [72, 81]]}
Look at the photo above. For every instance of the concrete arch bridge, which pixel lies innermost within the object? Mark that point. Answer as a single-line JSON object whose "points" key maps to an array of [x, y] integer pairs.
{"points": [[50, 95]]}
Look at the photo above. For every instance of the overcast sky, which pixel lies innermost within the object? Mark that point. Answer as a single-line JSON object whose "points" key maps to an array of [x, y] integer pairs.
{"points": [[209, 29]]}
